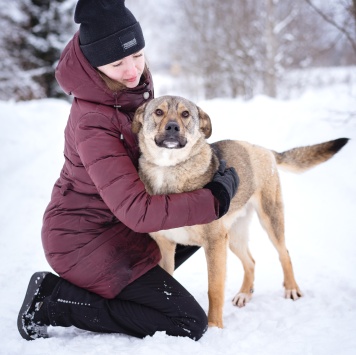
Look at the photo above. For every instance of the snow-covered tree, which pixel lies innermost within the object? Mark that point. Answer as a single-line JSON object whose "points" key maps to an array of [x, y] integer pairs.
{"points": [[32, 39]]}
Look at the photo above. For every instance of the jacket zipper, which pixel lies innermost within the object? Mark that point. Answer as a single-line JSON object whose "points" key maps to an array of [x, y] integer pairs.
{"points": [[117, 107]]}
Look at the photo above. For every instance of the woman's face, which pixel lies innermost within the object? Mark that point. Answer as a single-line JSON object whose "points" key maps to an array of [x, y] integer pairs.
{"points": [[126, 71]]}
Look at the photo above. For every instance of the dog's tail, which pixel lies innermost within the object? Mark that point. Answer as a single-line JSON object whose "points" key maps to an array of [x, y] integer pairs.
{"points": [[303, 158]]}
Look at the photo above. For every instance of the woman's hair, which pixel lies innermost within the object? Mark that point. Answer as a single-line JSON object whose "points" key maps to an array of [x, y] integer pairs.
{"points": [[115, 85]]}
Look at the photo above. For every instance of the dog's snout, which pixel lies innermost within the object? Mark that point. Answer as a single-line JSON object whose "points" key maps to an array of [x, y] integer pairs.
{"points": [[171, 135], [172, 127]]}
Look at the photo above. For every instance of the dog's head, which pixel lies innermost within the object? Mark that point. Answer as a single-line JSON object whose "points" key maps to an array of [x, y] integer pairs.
{"points": [[171, 122]]}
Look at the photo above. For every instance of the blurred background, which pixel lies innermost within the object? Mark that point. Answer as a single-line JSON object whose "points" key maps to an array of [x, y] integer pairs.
{"points": [[227, 48]]}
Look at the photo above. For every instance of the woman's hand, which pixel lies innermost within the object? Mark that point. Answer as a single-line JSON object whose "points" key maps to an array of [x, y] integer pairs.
{"points": [[224, 186]]}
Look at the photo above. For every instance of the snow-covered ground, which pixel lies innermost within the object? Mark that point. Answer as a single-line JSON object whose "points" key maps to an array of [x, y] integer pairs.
{"points": [[320, 232]]}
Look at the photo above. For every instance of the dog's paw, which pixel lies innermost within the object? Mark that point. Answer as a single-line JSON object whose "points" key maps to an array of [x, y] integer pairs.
{"points": [[293, 294], [242, 298], [216, 324]]}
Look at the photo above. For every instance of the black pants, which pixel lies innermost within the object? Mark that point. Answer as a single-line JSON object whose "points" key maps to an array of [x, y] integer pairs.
{"points": [[153, 302]]}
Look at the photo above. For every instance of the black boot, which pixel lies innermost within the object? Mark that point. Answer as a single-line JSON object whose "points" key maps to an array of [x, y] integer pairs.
{"points": [[32, 321]]}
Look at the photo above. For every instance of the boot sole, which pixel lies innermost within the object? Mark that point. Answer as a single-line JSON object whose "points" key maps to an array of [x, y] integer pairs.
{"points": [[32, 290]]}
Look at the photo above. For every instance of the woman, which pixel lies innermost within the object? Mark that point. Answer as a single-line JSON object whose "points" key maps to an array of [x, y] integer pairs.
{"points": [[95, 227]]}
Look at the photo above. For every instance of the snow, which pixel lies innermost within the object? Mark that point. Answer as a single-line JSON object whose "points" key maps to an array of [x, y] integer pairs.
{"points": [[320, 233]]}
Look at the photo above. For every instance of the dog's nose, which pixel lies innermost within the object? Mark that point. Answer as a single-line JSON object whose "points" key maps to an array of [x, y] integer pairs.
{"points": [[172, 127]]}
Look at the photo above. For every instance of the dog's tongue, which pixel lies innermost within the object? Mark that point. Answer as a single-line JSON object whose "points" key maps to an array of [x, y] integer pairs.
{"points": [[168, 143]]}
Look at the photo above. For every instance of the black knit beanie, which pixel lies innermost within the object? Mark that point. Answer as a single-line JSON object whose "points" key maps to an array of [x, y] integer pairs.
{"points": [[108, 31]]}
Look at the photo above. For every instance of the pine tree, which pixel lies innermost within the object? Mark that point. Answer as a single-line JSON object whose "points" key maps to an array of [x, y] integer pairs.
{"points": [[37, 31]]}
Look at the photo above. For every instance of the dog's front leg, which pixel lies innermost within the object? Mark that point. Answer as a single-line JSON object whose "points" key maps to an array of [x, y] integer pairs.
{"points": [[167, 249], [215, 252]]}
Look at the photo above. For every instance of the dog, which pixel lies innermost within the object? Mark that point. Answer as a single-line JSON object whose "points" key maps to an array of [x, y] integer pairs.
{"points": [[175, 157]]}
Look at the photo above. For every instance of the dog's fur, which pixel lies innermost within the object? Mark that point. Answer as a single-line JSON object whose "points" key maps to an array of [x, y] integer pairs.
{"points": [[176, 158]]}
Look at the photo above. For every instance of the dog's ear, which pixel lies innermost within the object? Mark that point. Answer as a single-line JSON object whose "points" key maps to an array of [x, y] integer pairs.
{"points": [[138, 119], [205, 123]]}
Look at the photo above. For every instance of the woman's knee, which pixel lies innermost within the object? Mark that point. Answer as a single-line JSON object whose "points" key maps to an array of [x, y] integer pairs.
{"points": [[200, 324], [193, 323]]}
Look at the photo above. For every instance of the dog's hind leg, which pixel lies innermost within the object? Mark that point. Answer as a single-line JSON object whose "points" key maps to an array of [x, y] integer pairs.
{"points": [[215, 252], [271, 215], [238, 242]]}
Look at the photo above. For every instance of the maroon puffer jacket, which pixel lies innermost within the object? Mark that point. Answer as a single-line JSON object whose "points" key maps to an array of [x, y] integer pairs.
{"points": [[95, 227]]}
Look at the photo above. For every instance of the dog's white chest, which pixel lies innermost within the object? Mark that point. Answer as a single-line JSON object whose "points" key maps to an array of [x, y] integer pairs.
{"points": [[164, 180], [164, 158], [158, 181]]}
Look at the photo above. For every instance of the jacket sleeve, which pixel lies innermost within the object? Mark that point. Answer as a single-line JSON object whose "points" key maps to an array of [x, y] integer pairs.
{"points": [[117, 181]]}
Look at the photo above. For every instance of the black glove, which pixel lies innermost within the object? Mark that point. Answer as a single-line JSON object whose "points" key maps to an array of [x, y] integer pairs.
{"points": [[224, 186]]}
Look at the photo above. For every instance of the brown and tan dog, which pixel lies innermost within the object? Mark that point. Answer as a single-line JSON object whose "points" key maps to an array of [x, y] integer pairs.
{"points": [[176, 158]]}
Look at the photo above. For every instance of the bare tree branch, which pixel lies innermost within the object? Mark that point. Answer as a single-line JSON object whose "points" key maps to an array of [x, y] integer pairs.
{"points": [[335, 24]]}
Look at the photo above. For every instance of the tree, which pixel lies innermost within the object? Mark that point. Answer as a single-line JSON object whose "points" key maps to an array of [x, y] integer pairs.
{"points": [[213, 45], [14, 84], [345, 24], [239, 49], [36, 34]]}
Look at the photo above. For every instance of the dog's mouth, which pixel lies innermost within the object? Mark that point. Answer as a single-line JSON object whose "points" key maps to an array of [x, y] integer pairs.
{"points": [[170, 142]]}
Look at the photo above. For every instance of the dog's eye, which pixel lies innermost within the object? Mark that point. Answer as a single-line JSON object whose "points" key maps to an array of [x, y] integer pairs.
{"points": [[159, 112], [185, 114]]}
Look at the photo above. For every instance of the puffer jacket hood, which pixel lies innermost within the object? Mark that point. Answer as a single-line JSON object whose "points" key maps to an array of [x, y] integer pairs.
{"points": [[78, 78]]}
